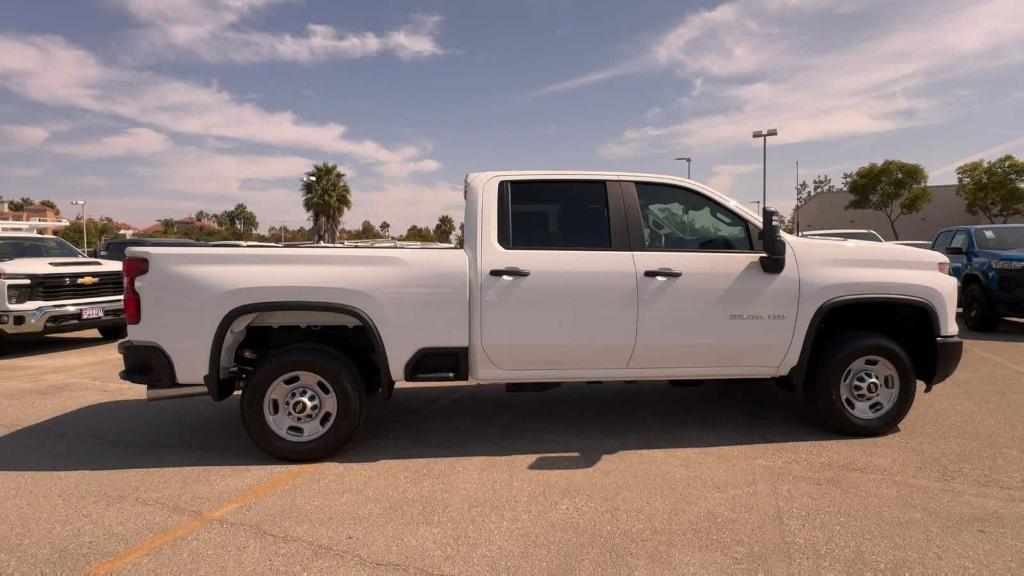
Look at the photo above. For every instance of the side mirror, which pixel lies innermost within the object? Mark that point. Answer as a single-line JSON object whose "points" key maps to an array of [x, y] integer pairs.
{"points": [[955, 250], [774, 260]]}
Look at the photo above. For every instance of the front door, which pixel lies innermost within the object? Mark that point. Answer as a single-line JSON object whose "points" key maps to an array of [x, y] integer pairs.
{"points": [[704, 300], [557, 287]]}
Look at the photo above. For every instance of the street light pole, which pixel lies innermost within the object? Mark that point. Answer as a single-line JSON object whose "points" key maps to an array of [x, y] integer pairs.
{"points": [[85, 238], [764, 168], [687, 158]]}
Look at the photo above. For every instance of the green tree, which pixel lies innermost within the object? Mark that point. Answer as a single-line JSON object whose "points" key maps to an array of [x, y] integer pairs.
{"points": [[419, 234], [367, 231], [325, 196], [894, 188], [50, 204], [239, 220], [20, 204], [444, 228], [385, 228], [169, 226], [97, 230], [460, 238], [993, 189]]}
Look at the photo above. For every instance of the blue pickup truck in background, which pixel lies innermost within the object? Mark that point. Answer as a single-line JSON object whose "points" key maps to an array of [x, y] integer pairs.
{"points": [[988, 262]]}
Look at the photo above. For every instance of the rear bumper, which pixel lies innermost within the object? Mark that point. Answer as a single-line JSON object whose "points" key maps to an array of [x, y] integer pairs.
{"points": [[148, 364], [948, 350], [58, 319]]}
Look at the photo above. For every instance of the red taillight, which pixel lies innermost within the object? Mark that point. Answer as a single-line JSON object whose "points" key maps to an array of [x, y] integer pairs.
{"points": [[133, 268]]}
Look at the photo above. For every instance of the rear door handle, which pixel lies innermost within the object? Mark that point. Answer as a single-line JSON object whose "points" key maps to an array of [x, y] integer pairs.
{"points": [[511, 271], [663, 273]]}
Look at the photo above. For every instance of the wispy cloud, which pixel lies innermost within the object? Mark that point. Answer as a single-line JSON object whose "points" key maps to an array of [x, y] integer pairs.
{"points": [[52, 71], [129, 142], [211, 31], [751, 63], [22, 135], [1011, 146], [723, 175]]}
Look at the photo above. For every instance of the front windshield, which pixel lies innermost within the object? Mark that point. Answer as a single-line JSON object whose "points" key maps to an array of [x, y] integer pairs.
{"points": [[12, 247], [1000, 238]]}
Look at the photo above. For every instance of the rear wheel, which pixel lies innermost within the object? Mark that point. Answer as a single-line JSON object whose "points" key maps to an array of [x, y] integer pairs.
{"points": [[980, 312], [302, 403], [114, 332], [861, 384]]}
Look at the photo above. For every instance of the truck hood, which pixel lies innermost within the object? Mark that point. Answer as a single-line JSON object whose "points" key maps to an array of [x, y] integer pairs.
{"points": [[862, 253], [58, 266], [1015, 255]]}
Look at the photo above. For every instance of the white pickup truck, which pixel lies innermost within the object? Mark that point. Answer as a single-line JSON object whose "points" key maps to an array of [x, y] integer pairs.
{"points": [[565, 276], [47, 286]]}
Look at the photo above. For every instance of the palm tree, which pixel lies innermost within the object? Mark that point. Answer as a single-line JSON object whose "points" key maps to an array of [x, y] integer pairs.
{"points": [[385, 228], [326, 196], [444, 228]]}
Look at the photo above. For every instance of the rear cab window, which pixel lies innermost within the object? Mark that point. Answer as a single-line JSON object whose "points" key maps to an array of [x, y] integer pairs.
{"points": [[559, 215]]}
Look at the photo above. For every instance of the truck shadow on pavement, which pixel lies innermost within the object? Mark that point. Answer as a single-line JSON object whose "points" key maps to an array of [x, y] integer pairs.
{"points": [[49, 345], [570, 427], [1007, 331]]}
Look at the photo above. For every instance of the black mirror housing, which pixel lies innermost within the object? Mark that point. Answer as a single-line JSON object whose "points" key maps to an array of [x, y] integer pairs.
{"points": [[774, 260]]}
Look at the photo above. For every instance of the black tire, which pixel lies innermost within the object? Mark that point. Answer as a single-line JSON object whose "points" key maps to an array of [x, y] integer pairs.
{"points": [[114, 332], [825, 380], [334, 370], [980, 312]]}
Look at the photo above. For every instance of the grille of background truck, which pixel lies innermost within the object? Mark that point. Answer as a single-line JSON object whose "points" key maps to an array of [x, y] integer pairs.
{"points": [[50, 287]]}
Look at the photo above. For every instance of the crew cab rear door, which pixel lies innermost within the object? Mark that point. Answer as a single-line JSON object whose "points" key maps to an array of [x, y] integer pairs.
{"points": [[704, 300], [557, 281]]}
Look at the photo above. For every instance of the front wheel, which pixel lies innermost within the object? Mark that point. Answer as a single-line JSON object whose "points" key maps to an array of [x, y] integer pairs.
{"points": [[862, 385], [980, 312], [302, 403]]}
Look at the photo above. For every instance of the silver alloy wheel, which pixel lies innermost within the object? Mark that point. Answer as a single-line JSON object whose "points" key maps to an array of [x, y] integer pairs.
{"points": [[300, 406], [870, 387]]}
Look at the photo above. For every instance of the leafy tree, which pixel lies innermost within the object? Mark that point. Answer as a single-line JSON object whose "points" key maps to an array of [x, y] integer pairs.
{"points": [[325, 196], [894, 188], [460, 239], [240, 220], [385, 228], [993, 189], [419, 234], [169, 226], [20, 204], [50, 204], [97, 230], [367, 231], [822, 183], [444, 228]]}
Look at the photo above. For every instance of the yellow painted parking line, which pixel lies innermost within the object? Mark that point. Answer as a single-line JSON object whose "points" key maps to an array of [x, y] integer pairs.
{"points": [[199, 522]]}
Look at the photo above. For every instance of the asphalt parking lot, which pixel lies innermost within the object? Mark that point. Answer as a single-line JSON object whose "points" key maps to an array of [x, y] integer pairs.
{"points": [[583, 479]]}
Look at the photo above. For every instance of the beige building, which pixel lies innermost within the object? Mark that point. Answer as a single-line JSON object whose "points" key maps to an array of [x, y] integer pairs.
{"points": [[828, 211]]}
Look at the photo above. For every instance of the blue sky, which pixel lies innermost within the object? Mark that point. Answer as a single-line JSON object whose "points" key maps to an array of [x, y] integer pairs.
{"points": [[154, 108]]}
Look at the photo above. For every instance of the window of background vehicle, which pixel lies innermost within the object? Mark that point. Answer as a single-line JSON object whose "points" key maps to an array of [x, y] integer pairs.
{"points": [[960, 240], [679, 219], [942, 241], [555, 215], [1009, 238]]}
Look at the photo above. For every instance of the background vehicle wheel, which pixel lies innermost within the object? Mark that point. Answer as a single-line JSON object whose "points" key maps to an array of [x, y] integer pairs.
{"points": [[861, 384], [980, 312], [114, 332], [302, 403]]}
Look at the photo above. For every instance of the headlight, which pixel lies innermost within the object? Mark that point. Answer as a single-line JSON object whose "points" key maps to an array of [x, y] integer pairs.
{"points": [[944, 267], [1008, 264], [18, 293]]}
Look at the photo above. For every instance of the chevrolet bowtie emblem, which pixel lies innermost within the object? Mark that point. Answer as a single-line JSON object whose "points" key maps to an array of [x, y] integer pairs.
{"points": [[87, 280]]}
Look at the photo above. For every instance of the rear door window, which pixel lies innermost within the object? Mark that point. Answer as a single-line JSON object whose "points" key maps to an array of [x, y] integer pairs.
{"points": [[554, 215], [942, 241]]}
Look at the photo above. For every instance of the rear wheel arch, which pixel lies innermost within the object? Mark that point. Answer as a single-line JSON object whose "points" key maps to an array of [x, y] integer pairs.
{"points": [[378, 368], [851, 313]]}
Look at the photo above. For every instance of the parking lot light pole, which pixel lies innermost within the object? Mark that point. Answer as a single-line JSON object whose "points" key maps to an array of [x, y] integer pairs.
{"points": [[688, 159], [85, 239], [764, 168]]}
